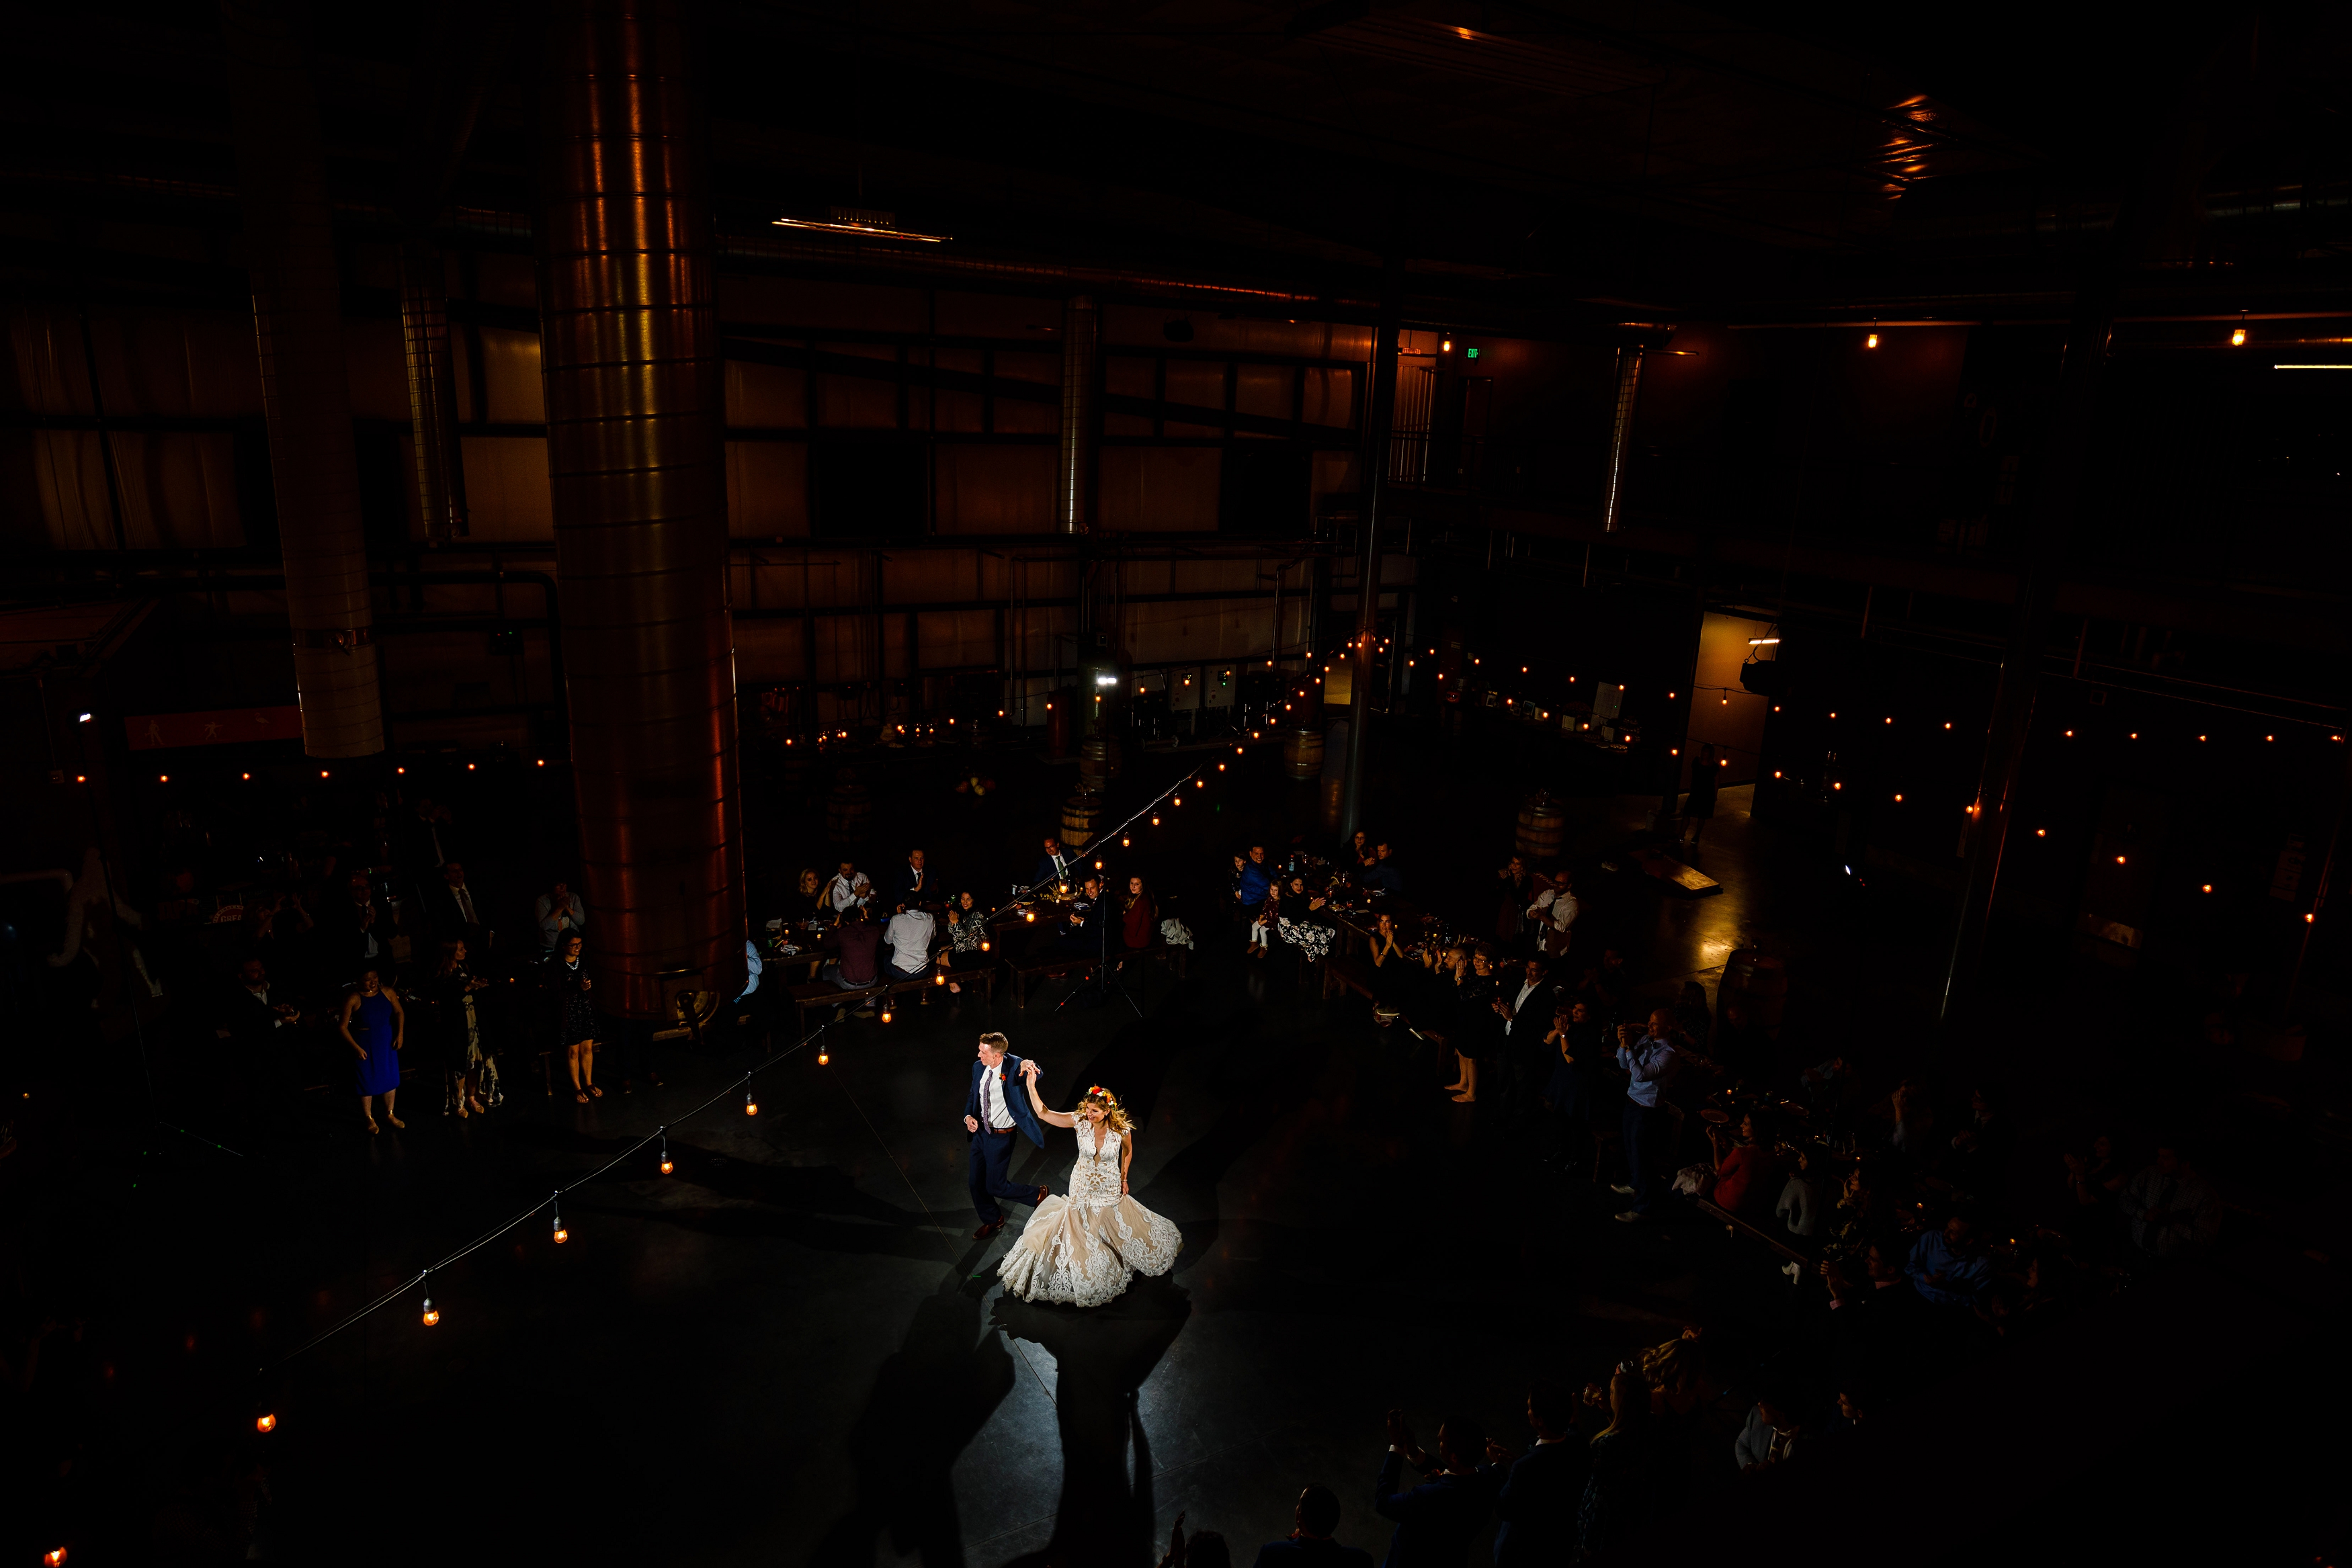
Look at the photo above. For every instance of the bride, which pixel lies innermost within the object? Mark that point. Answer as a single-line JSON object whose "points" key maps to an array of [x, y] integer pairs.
{"points": [[1083, 1248]]}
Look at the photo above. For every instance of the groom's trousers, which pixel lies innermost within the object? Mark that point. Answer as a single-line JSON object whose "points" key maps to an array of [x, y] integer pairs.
{"points": [[992, 1159]]}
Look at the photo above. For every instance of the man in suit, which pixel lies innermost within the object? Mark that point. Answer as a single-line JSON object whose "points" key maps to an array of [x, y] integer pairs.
{"points": [[1310, 1545], [1526, 1009], [996, 1108], [1537, 1504], [1053, 866], [911, 884], [1435, 1520], [450, 903]]}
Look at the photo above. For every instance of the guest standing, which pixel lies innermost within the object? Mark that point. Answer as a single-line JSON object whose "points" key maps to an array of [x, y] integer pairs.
{"points": [[449, 994], [568, 984], [381, 1030], [1650, 1062], [1138, 916], [1314, 1519], [1620, 1496], [1437, 1520], [560, 914], [1544, 1490], [1698, 810]]}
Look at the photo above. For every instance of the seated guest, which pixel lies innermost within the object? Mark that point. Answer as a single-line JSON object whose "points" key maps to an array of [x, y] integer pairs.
{"points": [[1947, 1268], [860, 963], [814, 905], [1052, 866], [848, 890], [1383, 875], [1306, 921], [967, 939], [2170, 1210], [1138, 916], [1314, 1519], [1856, 1221], [1824, 1082], [908, 936], [1544, 1489], [560, 912], [1437, 1520], [1800, 1208], [1742, 1163], [1770, 1434], [911, 884], [2094, 1177]]}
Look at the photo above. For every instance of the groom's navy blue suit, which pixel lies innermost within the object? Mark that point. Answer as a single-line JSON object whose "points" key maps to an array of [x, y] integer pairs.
{"points": [[991, 1151]]}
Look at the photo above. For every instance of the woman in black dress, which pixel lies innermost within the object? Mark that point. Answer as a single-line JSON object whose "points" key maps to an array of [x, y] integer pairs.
{"points": [[568, 983], [968, 945], [1477, 1025]]}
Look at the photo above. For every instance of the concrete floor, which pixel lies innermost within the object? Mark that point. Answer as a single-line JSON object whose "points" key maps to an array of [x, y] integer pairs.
{"points": [[791, 1352]]}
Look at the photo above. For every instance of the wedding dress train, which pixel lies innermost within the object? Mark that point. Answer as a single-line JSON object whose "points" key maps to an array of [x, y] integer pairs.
{"points": [[1083, 1250]]}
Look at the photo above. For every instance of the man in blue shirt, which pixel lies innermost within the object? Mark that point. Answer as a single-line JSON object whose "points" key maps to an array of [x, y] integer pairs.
{"points": [[1382, 875], [1947, 1267], [1251, 878], [1651, 1062]]}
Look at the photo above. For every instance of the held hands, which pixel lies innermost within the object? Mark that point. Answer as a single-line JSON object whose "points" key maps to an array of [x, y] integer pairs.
{"points": [[1029, 1069]]}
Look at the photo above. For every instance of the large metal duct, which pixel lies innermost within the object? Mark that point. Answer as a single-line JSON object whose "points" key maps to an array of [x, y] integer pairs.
{"points": [[1620, 437], [629, 345], [432, 391], [1073, 483], [298, 325]]}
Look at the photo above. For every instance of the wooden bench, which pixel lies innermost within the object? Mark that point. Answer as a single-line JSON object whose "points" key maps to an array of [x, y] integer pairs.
{"points": [[822, 995], [1345, 974], [1077, 964], [1740, 1227]]}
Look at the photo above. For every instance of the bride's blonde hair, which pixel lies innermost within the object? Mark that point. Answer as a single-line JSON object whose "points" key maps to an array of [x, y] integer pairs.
{"points": [[1115, 1113]]}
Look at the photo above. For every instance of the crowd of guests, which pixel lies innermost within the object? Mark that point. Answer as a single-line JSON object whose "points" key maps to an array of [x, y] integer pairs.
{"points": [[369, 958], [915, 925]]}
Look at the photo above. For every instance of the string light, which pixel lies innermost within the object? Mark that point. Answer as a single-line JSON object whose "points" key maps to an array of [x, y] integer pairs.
{"points": [[432, 1312], [1125, 842], [667, 1166], [2209, 887], [885, 1014], [2041, 832], [561, 1235], [2119, 860], [750, 1103], [264, 1423], [55, 1559], [823, 1057], [1155, 822]]}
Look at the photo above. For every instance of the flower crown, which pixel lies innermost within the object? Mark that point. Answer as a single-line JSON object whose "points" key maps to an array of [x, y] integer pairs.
{"points": [[1099, 1092]]}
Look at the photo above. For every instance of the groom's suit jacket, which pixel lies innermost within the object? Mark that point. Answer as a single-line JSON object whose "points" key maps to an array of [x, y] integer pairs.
{"points": [[1016, 1096]]}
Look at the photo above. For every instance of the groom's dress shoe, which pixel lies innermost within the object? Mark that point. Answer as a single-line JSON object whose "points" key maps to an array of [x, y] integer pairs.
{"points": [[987, 1230]]}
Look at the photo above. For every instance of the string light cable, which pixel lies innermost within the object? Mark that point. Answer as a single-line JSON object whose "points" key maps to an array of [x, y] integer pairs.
{"points": [[549, 1205], [1028, 894]]}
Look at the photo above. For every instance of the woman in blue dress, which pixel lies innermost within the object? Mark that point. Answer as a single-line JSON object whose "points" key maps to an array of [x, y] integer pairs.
{"points": [[380, 1029]]}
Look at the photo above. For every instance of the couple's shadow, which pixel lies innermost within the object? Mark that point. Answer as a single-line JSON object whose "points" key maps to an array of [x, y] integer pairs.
{"points": [[1101, 1356], [936, 1392]]}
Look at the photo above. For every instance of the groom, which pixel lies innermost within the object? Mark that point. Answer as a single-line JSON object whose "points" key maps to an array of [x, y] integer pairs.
{"points": [[997, 1106]]}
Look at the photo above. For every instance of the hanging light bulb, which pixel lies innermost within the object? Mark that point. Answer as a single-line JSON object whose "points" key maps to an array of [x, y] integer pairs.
{"points": [[264, 1423], [56, 1559], [983, 943], [1030, 916], [1125, 842], [886, 1015], [432, 1312], [823, 1057], [939, 977], [561, 1235], [750, 1103], [2238, 333], [1177, 801], [667, 1166], [1155, 822]]}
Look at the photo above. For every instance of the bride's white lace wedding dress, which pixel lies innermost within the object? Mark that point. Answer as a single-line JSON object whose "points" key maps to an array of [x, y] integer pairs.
{"points": [[1083, 1248]]}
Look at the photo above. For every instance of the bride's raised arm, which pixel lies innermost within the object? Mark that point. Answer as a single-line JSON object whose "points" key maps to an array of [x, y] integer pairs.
{"points": [[1051, 1118]]}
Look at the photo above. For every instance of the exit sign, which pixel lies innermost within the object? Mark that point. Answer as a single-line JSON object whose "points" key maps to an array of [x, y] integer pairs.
{"points": [[1472, 353]]}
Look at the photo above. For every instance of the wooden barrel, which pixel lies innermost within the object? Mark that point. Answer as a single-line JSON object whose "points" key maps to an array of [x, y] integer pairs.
{"points": [[1081, 813], [847, 809], [1542, 820], [1302, 752], [1098, 763], [1760, 981]]}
